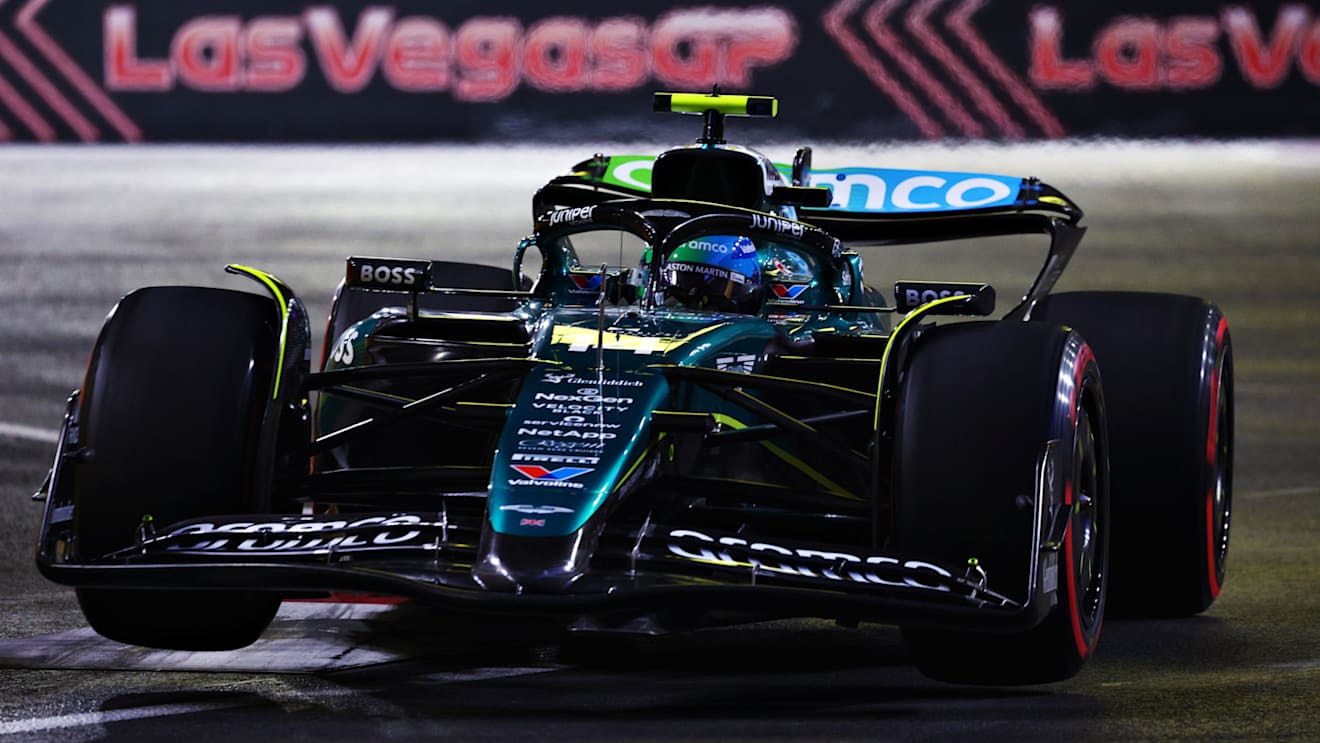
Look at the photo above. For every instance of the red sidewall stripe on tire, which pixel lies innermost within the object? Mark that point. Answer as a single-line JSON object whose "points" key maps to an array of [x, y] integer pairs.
{"points": [[1211, 457], [1212, 570], [1074, 613], [1084, 356]]}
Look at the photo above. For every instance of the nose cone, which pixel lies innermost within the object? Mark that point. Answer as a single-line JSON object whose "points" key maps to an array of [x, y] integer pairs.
{"points": [[516, 564]]}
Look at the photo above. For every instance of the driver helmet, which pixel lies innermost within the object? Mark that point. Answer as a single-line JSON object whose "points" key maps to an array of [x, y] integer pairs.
{"points": [[716, 272]]}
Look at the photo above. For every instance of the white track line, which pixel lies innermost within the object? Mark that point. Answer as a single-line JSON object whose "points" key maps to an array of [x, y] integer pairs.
{"points": [[31, 433], [84, 719]]}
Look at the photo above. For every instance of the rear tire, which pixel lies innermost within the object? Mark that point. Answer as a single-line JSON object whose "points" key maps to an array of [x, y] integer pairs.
{"points": [[171, 412], [1168, 364], [980, 403]]}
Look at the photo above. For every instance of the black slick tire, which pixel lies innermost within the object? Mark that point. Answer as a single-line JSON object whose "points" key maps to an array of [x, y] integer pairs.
{"points": [[171, 412], [979, 406], [1168, 364]]}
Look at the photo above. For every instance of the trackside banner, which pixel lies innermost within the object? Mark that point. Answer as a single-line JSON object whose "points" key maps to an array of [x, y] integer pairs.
{"points": [[858, 70]]}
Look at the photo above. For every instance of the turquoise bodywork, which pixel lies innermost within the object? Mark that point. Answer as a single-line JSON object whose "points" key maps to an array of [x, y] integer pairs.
{"points": [[580, 424], [578, 430]]}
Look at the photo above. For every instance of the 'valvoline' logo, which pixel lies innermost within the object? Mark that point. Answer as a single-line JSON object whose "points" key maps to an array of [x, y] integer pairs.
{"points": [[537, 472], [788, 291], [586, 282]]}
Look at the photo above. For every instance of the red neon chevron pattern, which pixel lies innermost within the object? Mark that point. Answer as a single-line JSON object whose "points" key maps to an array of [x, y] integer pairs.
{"points": [[987, 84], [43, 92]]}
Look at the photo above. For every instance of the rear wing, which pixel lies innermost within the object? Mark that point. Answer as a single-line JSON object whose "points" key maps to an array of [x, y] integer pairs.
{"points": [[867, 205]]}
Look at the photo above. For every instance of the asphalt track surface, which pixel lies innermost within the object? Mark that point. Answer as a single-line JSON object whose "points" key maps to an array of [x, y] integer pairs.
{"points": [[79, 227]]}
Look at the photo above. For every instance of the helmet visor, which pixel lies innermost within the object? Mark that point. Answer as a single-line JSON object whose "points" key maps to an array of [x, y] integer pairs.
{"points": [[703, 286]]}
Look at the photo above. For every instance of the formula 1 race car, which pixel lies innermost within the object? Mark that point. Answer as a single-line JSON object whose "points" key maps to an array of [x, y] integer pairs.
{"points": [[682, 406]]}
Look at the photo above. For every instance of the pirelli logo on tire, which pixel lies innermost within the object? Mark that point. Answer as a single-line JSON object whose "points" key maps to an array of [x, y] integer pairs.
{"points": [[390, 274]]}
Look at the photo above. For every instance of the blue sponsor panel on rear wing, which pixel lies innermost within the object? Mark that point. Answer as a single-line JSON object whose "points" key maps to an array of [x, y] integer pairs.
{"points": [[866, 190], [892, 191]]}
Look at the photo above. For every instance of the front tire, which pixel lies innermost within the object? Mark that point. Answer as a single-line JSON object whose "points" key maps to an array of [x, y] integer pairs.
{"points": [[178, 620], [980, 405], [170, 420]]}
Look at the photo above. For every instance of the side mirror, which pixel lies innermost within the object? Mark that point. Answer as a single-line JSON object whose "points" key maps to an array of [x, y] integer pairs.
{"points": [[802, 166]]}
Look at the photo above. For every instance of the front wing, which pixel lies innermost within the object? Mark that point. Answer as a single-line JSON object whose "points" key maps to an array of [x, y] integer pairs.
{"points": [[422, 556]]}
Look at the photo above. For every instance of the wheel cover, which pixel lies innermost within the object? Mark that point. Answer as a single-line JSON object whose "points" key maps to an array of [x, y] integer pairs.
{"points": [[1220, 498]]}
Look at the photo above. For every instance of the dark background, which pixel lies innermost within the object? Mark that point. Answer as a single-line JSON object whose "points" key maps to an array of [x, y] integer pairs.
{"points": [[825, 93]]}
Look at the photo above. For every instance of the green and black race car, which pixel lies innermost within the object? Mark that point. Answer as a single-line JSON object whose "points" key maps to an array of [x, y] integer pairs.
{"points": [[682, 406]]}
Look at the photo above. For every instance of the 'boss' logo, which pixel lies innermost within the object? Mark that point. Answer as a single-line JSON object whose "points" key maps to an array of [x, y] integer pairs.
{"points": [[398, 275], [917, 297], [913, 294]]}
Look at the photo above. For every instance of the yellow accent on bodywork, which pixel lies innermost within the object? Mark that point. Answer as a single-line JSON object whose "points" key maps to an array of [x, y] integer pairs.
{"points": [[273, 285], [806, 469], [400, 398], [566, 335], [476, 404], [732, 105], [898, 333]]}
